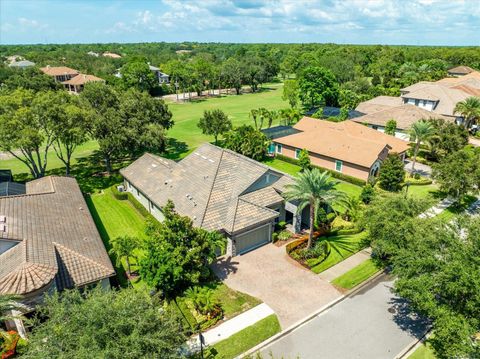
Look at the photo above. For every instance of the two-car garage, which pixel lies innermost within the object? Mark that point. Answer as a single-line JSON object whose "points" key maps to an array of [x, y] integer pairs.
{"points": [[252, 239]]}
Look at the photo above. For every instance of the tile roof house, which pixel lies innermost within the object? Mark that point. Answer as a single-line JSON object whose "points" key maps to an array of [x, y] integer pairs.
{"points": [[49, 241], [162, 78], [59, 73], [347, 147], [378, 103], [405, 116], [76, 84], [111, 55], [219, 190]]}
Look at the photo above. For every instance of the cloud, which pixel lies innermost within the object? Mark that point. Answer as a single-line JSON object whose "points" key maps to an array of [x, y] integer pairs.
{"points": [[25, 24]]}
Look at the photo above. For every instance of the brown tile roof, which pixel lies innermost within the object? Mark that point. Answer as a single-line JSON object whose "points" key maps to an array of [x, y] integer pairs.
{"points": [[211, 185], [378, 103], [82, 79], [347, 141], [111, 55], [471, 80], [416, 86], [58, 70], [405, 116], [58, 239], [460, 70]]}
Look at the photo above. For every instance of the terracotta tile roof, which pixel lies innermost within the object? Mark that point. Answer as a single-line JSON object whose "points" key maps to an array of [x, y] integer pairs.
{"points": [[56, 236], [347, 141], [378, 103], [211, 185], [468, 89], [471, 80], [58, 70], [111, 55], [416, 86], [405, 116], [82, 79]]}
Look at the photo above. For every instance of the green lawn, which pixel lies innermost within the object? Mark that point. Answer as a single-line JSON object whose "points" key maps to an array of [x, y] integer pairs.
{"points": [[82, 151], [292, 169], [237, 107], [244, 339], [115, 218], [347, 245], [423, 352], [427, 192], [357, 275]]}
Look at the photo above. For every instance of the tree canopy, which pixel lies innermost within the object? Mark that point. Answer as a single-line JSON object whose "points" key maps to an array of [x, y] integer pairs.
{"points": [[247, 141], [106, 324], [318, 86]]}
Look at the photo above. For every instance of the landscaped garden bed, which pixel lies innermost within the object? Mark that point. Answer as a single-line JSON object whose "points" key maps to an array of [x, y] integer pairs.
{"points": [[327, 249]]}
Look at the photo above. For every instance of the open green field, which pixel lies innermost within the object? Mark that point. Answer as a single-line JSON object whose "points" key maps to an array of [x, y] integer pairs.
{"points": [[185, 131], [357, 275], [423, 352], [237, 107]]}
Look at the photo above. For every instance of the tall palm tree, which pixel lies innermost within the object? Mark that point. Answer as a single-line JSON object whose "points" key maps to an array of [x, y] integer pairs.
{"points": [[470, 110], [124, 247], [421, 131], [312, 188]]}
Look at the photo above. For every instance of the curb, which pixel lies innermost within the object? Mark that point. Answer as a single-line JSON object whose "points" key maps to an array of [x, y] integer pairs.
{"points": [[309, 317], [413, 346]]}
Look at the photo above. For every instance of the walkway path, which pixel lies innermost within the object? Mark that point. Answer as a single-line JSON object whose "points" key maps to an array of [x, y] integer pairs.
{"points": [[420, 168], [234, 325], [344, 266], [438, 208]]}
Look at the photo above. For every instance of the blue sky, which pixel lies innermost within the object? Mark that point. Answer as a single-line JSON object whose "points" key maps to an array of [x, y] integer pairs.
{"points": [[414, 22]]}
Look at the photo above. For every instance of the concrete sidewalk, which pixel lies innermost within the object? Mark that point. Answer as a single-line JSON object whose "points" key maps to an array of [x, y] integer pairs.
{"points": [[438, 208], [344, 266], [234, 325]]}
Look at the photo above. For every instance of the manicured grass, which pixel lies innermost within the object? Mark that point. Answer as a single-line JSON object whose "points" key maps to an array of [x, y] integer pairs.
{"points": [[244, 339], [357, 275], [237, 107], [115, 218], [82, 151], [233, 302], [427, 192], [349, 244], [457, 208], [292, 169], [423, 352]]}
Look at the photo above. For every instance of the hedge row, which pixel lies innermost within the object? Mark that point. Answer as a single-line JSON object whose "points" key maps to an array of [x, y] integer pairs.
{"points": [[335, 174], [122, 196]]}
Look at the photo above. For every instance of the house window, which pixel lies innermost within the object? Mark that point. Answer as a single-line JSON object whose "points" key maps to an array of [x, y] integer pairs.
{"points": [[279, 148], [297, 153], [338, 166], [417, 102], [375, 127]]}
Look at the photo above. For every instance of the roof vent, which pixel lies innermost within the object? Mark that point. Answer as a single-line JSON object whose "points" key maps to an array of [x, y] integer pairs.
{"points": [[3, 219]]}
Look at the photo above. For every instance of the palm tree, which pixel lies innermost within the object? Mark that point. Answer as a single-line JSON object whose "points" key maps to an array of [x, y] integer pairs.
{"points": [[421, 131], [351, 205], [470, 110], [312, 188], [124, 247]]}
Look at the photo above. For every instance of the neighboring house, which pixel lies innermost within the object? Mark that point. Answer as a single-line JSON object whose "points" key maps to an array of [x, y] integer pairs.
{"points": [[59, 73], [21, 64], [219, 190], [405, 116], [111, 55], [434, 97], [329, 111], [347, 147], [378, 103], [49, 242], [161, 77], [460, 71], [472, 80], [14, 58], [95, 54], [76, 84]]}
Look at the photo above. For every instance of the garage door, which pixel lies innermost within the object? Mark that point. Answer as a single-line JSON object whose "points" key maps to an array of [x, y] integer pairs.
{"points": [[253, 239]]}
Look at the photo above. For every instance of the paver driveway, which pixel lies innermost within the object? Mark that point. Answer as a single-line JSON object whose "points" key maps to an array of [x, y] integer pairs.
{"points": [[268, 274]]}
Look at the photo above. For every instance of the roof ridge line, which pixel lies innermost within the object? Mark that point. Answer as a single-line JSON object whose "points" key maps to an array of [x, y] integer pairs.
{"points": [[80, 255], [211, 187], [235, 215], [257, 205]]}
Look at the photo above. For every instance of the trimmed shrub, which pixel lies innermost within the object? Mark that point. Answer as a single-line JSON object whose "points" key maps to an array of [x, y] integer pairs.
{"points": [[337, 175], [121, 196], [284, 235], [280, 226]]}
